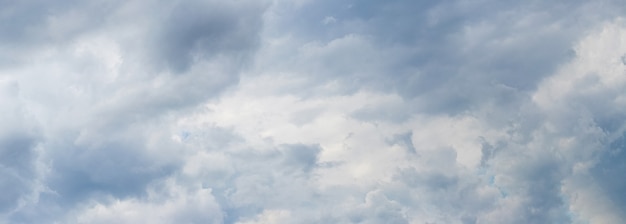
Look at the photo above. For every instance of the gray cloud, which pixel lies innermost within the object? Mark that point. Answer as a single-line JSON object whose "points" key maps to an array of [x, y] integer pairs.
{"points": [[196, 30], [311, 112], [436, 51], [19, 137], [86, 74]]}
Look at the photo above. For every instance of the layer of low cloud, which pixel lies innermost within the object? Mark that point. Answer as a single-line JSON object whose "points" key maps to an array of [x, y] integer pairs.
{"points": [[312, 112]]}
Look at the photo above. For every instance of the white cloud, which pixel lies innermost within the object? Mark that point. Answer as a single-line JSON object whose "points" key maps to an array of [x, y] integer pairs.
{"points": [[176, 204], [586, 93]]}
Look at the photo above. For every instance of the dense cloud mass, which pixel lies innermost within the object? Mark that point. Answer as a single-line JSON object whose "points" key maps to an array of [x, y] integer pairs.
{"points": [[330, 111]]}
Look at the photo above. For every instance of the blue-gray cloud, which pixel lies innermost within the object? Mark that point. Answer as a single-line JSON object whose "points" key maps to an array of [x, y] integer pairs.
{"points": [[312, 111]]}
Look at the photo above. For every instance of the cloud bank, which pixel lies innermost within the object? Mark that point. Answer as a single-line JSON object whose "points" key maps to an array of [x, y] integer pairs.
{"points": [[346, 111]]}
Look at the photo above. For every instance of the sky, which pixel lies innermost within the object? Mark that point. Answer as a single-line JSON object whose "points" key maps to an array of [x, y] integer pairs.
{"points": [[313, 111]]}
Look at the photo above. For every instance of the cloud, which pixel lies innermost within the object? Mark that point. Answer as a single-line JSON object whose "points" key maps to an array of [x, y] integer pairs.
{"points": [[19, 139], [425, 50], [199, 29], [586, 91], [90, 110], [182, 205], [312, 112]]}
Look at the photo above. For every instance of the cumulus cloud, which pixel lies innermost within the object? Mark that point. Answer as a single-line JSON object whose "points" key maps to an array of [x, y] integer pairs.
{"points": [[169, 204], [312, 112]]}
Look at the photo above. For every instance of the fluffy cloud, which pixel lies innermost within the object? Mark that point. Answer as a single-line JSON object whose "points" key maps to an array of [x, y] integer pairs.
{"points": [[95, 87], [312, 112], [168, 205]]}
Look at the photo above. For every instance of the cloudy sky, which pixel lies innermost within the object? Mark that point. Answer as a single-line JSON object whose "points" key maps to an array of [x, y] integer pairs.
{"points": [[312, 111]]}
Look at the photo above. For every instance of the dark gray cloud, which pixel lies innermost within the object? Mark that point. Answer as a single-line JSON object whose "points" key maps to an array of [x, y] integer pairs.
{"points": [[197, 30]]}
